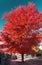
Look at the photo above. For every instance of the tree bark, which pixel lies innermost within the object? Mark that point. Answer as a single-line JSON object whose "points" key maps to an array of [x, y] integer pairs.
{"points": [[22, 57]]}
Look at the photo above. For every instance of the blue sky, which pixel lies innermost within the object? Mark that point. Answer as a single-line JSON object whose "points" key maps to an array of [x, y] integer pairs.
{"points": [[7, 5]]}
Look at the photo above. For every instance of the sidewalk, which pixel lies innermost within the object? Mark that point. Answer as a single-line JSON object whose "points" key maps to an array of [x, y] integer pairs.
{"points": [[27, 62]]}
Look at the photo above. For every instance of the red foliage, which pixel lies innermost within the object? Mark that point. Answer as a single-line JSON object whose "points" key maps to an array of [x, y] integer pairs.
{"points": [[19, 32]]}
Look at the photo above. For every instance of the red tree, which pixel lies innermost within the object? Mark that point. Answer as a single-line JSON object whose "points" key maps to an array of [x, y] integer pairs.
{"points": [[21, 30]]}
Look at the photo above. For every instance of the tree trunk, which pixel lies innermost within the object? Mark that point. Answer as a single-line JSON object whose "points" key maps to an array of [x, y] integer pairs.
{"points": [[22, 57]]}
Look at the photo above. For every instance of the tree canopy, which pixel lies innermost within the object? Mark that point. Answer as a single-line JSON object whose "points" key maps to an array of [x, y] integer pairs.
{"points": [[20, 33]]}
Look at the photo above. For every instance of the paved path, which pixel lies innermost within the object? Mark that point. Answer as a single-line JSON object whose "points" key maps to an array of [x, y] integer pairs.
{"points": [[27, 62]]}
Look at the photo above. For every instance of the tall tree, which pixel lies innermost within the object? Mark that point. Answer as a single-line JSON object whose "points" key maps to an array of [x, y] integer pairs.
{"points": [[21, 30]]}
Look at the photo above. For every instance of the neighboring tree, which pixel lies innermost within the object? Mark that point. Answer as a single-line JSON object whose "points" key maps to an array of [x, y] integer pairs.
{"points": [[21, 31]]}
